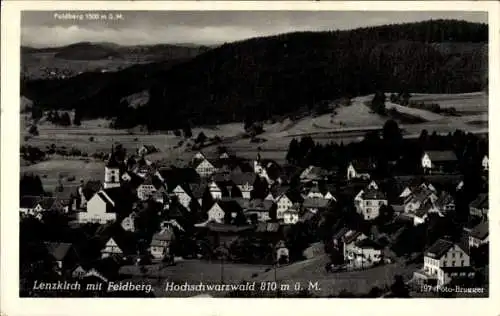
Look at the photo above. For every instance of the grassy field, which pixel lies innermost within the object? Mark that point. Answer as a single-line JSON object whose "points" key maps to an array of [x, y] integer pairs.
{"points": [[349, 124], [307, 273], [464, 103], [313, 270], [50, 171], [420, 113], [39, 65], [194, 272]]}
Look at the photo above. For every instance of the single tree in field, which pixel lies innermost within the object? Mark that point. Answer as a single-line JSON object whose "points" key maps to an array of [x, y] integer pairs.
{"points": [[65, 120], [77, 120], [378, 103], [33, 130], [393, 139], [188, 133], [259, 189], [201, 138]]}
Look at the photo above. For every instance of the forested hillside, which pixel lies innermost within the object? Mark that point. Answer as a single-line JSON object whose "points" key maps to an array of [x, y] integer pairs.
{"points": [[263, 77]]}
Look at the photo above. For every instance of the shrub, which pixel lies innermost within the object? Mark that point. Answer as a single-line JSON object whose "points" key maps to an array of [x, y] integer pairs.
{"points": [[33, 130], [201, 138]]}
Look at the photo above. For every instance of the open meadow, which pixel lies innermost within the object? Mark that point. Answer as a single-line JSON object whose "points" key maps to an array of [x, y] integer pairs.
{"points": [[464, 103], [51, 171], [310, 274], [349, 124]]}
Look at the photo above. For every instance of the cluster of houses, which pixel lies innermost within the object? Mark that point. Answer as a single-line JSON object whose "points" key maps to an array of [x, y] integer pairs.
{"points": [[235, 196]]}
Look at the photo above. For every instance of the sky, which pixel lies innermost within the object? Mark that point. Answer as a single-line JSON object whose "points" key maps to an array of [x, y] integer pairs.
{"points": [[50, 28]]}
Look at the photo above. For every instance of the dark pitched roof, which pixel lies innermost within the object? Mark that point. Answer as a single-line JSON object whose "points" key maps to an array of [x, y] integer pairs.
{"points": [[258, 205], [420, 194], [243, 178], [340, 233], [481, 202], [457, 269], [307, 216], [176, 211], [368, 243], [125, 241], [164, 235], [58, 250], [221, 176], [278, 190], [47, 202], [175, 176], [444, 199], [351, 235], [267, 227], [225, 187], [294, 196], [371, 194], [441, 155], [439, 248], [423, 209], [480, 231], [112, 161], [316, 203], [198, 189], [91, 187], [225, 228], [229, 206], [29, 201], [361, 165]]}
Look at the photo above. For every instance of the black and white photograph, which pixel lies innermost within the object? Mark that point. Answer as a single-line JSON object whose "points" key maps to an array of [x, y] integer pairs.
{"points": [[253, 154]]}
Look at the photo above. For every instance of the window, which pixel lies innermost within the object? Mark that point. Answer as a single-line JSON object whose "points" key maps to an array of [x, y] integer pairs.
{"points": [[461, 255], [453, 263], [462, 263], [453, 255]]}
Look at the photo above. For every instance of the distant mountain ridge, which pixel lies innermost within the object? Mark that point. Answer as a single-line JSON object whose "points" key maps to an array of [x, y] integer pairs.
{"points": [[268, 76], [103, 50]]}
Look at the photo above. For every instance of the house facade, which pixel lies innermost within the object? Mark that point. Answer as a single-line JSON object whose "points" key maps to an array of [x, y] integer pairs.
{"points": [[100, 209], [161, 243], [216, 214], [112, 172], [369, 202], [111, 248], [364, 253], [291, 216], [205, 168], [183, 197], [479, 235], [485, 163], [145, 191], [441, 260], [215, 190], [438, 160], [282, 253], [283, 204], [479, 207], [359, 170], [346, 242], [128, 223]]}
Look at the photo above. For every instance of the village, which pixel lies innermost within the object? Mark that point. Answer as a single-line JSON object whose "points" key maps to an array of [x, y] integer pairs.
{"points": [[363, 214]]}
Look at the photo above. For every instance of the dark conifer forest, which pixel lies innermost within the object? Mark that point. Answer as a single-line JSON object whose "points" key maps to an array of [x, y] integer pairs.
{"points": [[268, 77]]}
